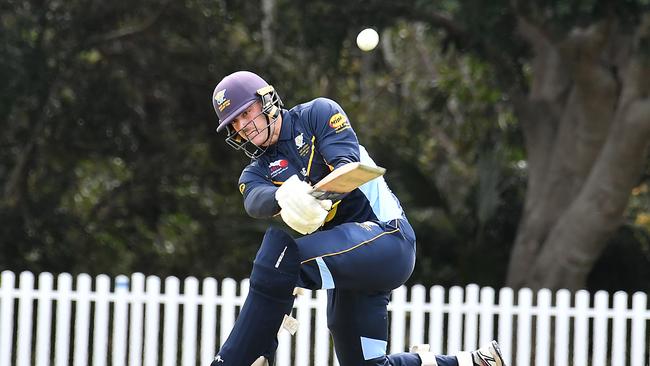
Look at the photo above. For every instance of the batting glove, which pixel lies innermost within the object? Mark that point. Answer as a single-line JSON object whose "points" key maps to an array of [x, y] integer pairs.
{"points": [[299, 209]]}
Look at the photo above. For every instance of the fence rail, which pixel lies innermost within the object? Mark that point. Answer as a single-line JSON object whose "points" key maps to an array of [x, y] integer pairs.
{"points": [[149, 321]]}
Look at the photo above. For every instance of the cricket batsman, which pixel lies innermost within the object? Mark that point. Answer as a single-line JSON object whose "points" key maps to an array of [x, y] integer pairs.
{"points": [[358, 248]]}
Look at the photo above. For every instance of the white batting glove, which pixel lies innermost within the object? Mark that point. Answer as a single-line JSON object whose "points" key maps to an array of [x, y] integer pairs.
{"points": [[299, 209]]}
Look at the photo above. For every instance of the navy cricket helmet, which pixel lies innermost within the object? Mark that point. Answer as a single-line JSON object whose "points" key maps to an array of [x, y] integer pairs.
{"points": [[232, 96], [238, 91]]}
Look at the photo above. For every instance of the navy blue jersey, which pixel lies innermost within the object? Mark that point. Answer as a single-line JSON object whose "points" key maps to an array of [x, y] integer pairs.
{"points": [[315, 138]]}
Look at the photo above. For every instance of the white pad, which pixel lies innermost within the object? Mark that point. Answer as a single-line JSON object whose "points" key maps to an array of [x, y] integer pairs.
{"points": [[290, 324], [465, 359], [428, 358]]}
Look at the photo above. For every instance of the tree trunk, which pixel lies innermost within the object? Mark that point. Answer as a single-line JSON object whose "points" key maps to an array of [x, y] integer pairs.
{"points": [[586, 121]]}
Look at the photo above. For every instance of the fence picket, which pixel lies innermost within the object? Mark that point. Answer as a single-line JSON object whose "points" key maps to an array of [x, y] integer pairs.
{"points": [[471, 317], [639, 335], [25, 304], [524, 320], [619, 329], [82, 321], [563, 301], [455, 327], [136, 319], [506, 297], [100, 337], [543, 328], [486, 331], [601, 306], [581, 329], [208, 321], [7, 283], [436, 320], [227, 316], [151, 321], [44, 319], [120, 320], [190, 307], [62, 332], [416, 325], [170, 321]]}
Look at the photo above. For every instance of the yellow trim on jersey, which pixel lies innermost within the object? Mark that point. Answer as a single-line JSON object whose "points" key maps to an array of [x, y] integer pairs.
{"points": [[277, 182], [332, 213], [352, 248], [311, 157]]}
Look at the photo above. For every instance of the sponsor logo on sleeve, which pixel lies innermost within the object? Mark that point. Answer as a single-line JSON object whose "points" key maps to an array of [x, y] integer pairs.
{"points": [[339, 122]]}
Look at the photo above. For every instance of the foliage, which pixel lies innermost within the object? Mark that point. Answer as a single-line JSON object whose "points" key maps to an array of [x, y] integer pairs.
{"points": [[109, 162]]}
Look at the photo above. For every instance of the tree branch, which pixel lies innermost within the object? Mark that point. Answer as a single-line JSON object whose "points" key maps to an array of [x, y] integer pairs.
{"points": [[126, 31], [550, 75], [454, 31]]}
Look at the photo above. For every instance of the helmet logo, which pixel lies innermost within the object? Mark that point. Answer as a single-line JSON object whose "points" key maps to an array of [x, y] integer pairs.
{"points": [[222, 102]]}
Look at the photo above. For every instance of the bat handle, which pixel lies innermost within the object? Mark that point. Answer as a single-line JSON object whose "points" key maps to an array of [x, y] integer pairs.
{"points": [[323, 195]]}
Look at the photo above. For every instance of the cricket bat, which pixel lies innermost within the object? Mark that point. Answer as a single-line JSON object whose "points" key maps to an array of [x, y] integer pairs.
{"points": [[345, 179]]}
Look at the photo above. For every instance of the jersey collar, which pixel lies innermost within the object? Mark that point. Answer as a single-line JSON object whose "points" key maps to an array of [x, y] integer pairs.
{"points": [[287, 125]]}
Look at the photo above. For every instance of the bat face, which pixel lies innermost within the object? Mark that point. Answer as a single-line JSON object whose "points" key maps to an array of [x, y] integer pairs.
{"points": [[345, 179]]}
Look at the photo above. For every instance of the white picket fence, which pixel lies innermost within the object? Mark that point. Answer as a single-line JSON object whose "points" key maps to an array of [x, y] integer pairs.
{"points": [[142, 321]]}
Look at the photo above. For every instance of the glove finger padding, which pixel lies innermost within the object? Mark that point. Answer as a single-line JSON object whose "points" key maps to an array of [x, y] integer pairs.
{"points": [[299, 223], [325, 204], [290, 187], [306, 206]]}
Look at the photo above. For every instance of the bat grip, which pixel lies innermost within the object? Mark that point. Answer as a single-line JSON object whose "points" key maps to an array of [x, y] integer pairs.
{"points": [[323, 195]]}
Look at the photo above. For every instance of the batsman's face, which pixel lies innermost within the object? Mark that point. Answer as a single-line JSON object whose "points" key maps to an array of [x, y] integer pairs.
{"points": [[251, 125]]}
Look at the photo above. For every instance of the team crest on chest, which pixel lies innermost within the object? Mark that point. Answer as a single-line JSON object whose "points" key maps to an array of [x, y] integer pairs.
{"points": [[300, 141], [301, 145]]}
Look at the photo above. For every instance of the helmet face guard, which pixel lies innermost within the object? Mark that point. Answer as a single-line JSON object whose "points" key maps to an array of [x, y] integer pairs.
{"points": [[234, 94], [271, 104]]}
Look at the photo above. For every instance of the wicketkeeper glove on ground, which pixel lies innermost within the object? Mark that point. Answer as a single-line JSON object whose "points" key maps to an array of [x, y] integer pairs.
{"points": [[299, 209]]}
